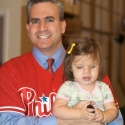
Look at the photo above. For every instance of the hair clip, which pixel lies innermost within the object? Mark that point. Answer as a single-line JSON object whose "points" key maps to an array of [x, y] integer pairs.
{"points": [[73, 44]]}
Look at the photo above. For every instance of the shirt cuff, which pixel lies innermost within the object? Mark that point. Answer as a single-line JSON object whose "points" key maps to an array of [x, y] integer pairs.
{"points": [[50, 120]]}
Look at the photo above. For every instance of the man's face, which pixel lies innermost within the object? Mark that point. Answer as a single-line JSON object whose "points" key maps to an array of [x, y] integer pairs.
{"points": [[45, 28]]}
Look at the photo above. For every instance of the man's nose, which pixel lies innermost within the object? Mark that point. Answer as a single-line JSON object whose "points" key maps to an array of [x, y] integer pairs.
{"points": [[43, 26]]}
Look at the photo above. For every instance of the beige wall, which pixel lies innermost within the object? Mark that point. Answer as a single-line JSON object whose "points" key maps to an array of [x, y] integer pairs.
{"points": [[12, 11], [107, 20]]}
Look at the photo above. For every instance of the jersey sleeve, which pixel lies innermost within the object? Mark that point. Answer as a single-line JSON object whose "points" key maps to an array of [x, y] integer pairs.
{"points": [[107, 81], [9, 96]]}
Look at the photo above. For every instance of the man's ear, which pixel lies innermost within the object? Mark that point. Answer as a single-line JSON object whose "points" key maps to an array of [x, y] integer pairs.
{"points": [[27, 27], [63, 26]]}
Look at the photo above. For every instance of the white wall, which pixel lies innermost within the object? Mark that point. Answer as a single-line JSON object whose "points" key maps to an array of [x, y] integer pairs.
{"points": [[12, 36]]}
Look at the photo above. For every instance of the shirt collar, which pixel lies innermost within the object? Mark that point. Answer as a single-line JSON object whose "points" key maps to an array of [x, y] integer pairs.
{"points": [[41, 58]]}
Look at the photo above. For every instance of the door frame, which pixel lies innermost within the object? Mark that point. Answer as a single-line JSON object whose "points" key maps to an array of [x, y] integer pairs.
{"points": [[5, 44]]}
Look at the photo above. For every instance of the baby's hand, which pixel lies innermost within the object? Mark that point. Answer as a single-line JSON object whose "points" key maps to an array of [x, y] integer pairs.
{"points": [[91, 107], [87, 112], [99, 117]]}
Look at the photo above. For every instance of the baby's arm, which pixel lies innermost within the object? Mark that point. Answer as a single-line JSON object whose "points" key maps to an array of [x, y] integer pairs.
{"points": [[62, 111], [108, 115]]}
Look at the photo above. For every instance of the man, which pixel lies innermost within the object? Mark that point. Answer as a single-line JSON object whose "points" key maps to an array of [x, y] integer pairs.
{"points": [[27, 89]]}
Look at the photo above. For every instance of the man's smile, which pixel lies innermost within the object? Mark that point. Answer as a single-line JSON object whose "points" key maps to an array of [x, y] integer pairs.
{"points": [[43, 36]]}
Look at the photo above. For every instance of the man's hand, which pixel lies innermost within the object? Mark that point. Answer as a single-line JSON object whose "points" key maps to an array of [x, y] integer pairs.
{"points": [[77, 122], [70, 122]]}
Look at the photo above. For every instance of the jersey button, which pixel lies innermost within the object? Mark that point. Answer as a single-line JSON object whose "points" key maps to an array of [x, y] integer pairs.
{"points": [[54, 90]]}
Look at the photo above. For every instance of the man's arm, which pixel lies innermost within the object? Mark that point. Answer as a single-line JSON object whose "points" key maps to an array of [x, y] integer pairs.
{"points": [[70, 122], [17, 119], [7, 118], [118, 120]]}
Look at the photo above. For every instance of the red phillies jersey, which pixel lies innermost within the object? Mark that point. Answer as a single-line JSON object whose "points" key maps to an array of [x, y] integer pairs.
{"points": [[27, 88]]}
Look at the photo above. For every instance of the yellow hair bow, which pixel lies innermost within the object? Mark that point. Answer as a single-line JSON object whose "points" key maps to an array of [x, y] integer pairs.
{"points": [[73, 44]]}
